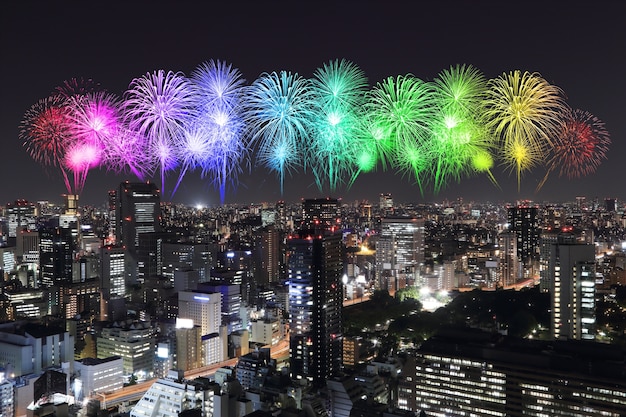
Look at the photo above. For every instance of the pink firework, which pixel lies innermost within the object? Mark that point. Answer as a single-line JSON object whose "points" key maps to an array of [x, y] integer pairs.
{"points": [[95, 117], [80, 158]]}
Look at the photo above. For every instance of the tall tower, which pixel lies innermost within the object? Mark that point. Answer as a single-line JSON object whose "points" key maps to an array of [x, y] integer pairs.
{"points": [[572, 289], [138, 211], [509, 267], [315, 301], [524, 221], [56, 254]]}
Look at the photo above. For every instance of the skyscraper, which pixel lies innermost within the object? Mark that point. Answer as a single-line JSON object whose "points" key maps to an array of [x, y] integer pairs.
{"points": [[401, 245], [56, 251], [572, 289], [315, 300], [137, 211], [523, 220]]}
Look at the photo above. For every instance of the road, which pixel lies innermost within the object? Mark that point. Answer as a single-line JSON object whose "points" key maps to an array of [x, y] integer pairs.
{"points": [[133, 393]]}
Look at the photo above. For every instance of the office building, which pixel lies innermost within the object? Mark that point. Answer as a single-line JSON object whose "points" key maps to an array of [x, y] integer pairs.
{"points": [[56, 254], [137, 212], [498, 376], [134, 342], [98, 376], [321, 214], [401, 246], [205, 310], [315, 269], [28, 348], [523, 219], [572, 289]]}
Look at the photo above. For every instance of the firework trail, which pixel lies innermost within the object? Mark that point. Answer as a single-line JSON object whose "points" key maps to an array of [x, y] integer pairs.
{"points": [[156, 107], [339, 89], [524, 112], [46, 134], [459, 132], [580, 146], [214, 140], [279, 113], [402, 108], [77, 87]]}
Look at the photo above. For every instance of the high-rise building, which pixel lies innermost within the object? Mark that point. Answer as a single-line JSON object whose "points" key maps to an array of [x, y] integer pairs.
{"points": [[188, 345], [56, 254], [524, 221], [112, 271], [21, 215], [134, 342], [230, 302], [315, 269], [401, 250], [267, 255], [572, 289], [112, 218], [321, 214], [610, 204], [205, 309], [137, 212], [509, 266], [477, 374], [385, 204]]}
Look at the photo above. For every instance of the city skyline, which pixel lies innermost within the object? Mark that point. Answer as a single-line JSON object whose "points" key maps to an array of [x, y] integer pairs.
{"points": [[573, 48]]}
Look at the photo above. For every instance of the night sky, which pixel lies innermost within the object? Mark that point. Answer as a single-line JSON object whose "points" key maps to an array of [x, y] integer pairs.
{"points": [[578, 46]]}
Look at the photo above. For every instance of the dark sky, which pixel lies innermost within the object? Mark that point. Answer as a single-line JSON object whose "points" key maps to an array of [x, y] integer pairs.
{"points": [[578, 46]]}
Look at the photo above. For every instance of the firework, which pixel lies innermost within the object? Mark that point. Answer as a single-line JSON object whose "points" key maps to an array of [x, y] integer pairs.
{"points": [[401, 109], [214, 140], [80, 158], [77, 87], [458, 129], [339, 89], [580, 146], [279, 115], [524, 111], [45, 131], [156, 107]]}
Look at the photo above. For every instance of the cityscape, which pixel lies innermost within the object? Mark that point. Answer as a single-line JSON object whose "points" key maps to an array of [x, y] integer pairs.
{"points": [[342, 209], [144, 307]]}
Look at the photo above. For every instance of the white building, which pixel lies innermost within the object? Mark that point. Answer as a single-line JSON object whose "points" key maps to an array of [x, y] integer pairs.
{"points": [[205, 309], [27, 348], [98, 376], [266, 332], [170, 396]]}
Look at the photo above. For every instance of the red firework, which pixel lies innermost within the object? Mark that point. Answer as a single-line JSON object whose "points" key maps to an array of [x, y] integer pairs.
{"points": [[581, 145], [46, 132], [77, 87]]}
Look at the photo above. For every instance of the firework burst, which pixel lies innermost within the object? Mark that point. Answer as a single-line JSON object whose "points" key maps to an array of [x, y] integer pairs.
{"points": [[458, 129], [156, 107], [580, 146], [46, 133], [339, 89], [524, 112], [215, 140], [279, 113], [401, 110]]}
